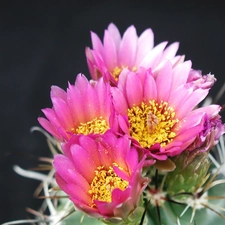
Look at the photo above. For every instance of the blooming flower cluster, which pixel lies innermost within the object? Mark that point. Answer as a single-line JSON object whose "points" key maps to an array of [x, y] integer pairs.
{"points": [[140, 113]]}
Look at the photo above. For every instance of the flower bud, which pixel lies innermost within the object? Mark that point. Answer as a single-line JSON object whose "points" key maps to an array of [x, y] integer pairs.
{"points": [[190, 173]]}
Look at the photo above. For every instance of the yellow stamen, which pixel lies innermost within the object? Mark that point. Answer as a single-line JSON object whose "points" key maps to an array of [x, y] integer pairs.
{"points": [[117, 70], [152, 123], [95, 126], [104, 182]]}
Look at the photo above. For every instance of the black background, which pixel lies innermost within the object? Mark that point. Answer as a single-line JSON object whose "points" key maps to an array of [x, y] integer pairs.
{"points": [[42, 43]]}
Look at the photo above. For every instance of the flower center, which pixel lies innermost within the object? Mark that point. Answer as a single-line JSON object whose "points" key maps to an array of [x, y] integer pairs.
{"points": [[152, 123], [104, 182], [117, 70], [95, 126]]}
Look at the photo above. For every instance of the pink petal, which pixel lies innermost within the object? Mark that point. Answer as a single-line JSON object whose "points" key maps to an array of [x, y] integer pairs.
{"points": [[170, 51], [75, 102], [192, 120], [192, 100], [110, 54], [91, 63], [179, 96], [58, 93], [91, 104], [177, 60], [189, 135], [96, 43], [145, 44], [123, 79], [163, 82], [150, 90], [128, 46], [115, 34], [180, 74], [153, 56], [81, 83], [134, 90], [104, 97], [119, 101], [210, 110]]}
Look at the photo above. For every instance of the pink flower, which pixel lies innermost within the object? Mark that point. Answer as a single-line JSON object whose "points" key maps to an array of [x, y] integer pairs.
{"points": [[86, 108], [158, 111], [115, 53], [213, 129], [102, 176]]}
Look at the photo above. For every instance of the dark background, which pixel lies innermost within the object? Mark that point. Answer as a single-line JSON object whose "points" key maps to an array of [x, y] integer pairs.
{"points": [[42, 43]]}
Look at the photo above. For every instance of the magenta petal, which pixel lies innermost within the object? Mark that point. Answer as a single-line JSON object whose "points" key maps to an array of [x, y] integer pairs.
{"points": [[52, 117], [132, 159], [91, 105], [63, 113], [119, 196], [105, 208], [79, 194], [122, 174], [49, 127], [65, 168], [123, 123], [90, 147], [61, 182], [76, 104], [120, 150], [80, 156], [104, 155]]}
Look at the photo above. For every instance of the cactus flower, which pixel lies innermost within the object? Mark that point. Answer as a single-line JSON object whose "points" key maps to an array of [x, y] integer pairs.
{"points": [[102, 175], [158, 110], [86, 108], [115, 53]]}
